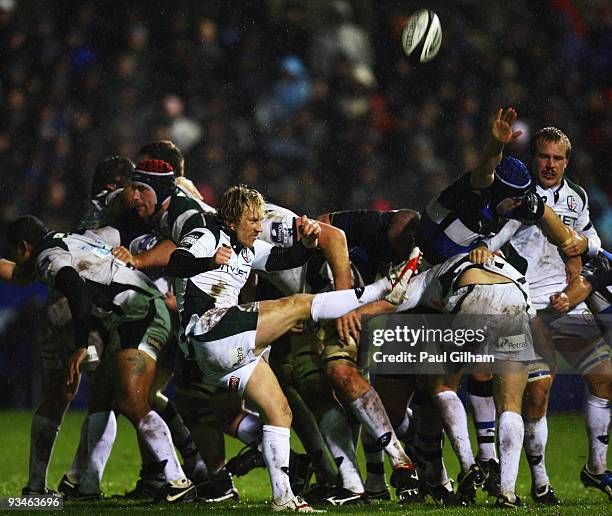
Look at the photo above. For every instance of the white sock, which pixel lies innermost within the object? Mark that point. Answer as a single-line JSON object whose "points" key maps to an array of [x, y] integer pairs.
{"points": [[369, 409], [536, 436], [156, 434], [42, 439], [101, 433], [375, 463], [181, 437], [275, 448], [429, 438], [482, 406], [454, 419], [511, 432], [79, 463], [598, 428], [249, 429], [339, 438], [331, 305]]}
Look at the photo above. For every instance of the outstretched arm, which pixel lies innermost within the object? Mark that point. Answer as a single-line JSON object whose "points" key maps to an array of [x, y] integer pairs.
{"points": [[501, 133], [157, 256]]}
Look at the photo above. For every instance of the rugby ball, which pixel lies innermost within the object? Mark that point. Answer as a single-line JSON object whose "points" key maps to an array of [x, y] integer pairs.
{"points": [[422, 36]]}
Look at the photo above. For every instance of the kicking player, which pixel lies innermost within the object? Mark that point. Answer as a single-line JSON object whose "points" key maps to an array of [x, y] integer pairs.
{"points": [[127, 305], [229, 340]]}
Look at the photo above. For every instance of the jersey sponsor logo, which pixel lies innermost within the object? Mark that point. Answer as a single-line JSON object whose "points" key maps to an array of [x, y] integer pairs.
{"points": [[569, 221], [234, 270], [511, 343], [233, 384], [188, 241], [280, 233], [571, 203]]}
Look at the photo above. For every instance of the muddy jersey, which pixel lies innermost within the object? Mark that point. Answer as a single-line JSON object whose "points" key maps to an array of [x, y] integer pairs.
{"points": [[220, 287], [435, 288], [116, 291]]}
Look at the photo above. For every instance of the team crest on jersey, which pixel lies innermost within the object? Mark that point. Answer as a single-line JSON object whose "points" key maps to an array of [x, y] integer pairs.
{"points": [[233, 384], [245, 255], [571, 203], [280, 232], [588, 317]]}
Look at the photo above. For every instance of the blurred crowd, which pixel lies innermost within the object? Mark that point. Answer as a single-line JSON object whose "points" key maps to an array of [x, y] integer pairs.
{"points": [[312, 102]]}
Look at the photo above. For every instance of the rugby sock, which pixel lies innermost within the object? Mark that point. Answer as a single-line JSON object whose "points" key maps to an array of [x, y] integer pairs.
{"points": [[79, 462], [536, 436], [375, 463], [101, 432], [249, 429], [339, 438], [181, 437], [510, 443], [429, 438], [275, 448], [331, 305], [156, 435], [454, 419], [42, 439], [598, 428], [482, 406], [369, 409]]}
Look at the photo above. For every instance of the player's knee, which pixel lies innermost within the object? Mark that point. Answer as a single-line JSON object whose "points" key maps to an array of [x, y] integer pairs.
{"points": [[342, 375], [298, 306], [535, 403]]}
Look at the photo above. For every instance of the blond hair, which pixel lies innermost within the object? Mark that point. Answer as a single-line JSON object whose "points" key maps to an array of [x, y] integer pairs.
{"points": [[551, 134], [236, 200]]}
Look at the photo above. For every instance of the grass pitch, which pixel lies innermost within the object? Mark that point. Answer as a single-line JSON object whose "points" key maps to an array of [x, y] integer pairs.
{"points": [[566, 454]]}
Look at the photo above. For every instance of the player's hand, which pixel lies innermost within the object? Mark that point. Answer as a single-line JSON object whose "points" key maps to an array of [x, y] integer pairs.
{"points": [[501, 130], [576, 245], [309, 230], [349, 325], [74, 365], [122, 254], [559, 302], [222, 255], [480, 255]]}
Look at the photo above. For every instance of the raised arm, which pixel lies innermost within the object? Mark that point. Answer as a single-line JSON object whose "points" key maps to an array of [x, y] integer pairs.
{"points": [[332, 241], [501, 133]]}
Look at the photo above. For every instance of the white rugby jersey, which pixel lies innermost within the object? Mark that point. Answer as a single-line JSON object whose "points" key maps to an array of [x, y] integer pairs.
{"points": [[546, 268], [434, 287], [116, 291], [279, 228], [220, 287]]}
